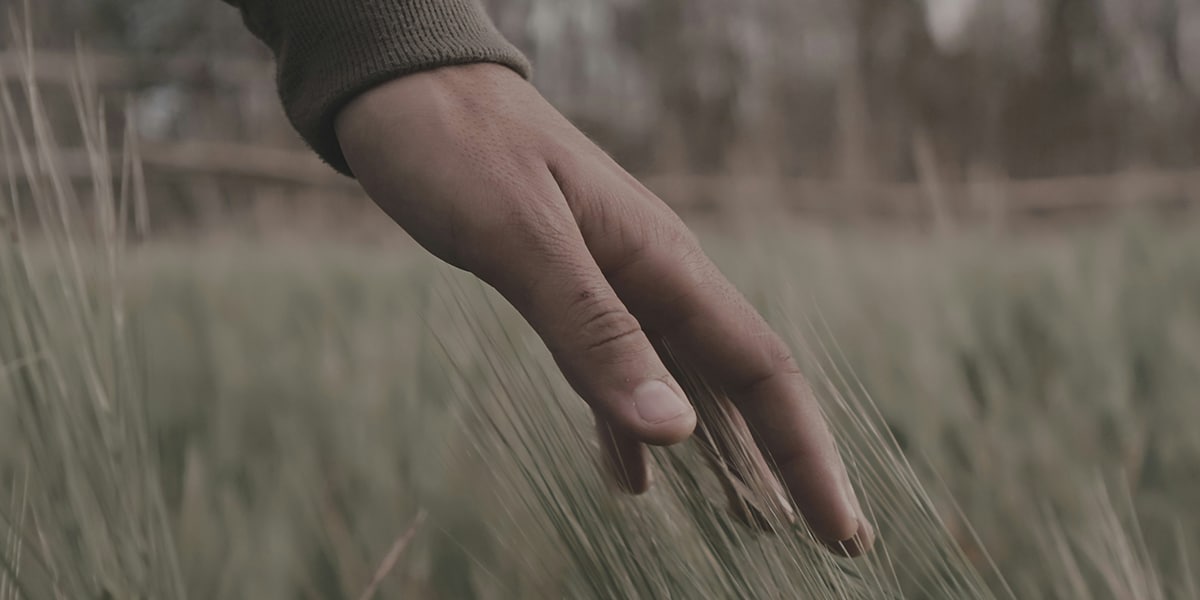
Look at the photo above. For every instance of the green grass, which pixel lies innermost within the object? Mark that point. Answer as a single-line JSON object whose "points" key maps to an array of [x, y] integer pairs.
{"points": [[246, 419]]}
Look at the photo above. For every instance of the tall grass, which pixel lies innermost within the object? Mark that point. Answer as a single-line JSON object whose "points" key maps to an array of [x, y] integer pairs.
{"points": [[240, 420], [89, 519]]}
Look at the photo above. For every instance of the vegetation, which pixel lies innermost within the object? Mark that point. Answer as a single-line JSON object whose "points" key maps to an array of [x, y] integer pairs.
{"points": [[241, 419], [857, 89]]}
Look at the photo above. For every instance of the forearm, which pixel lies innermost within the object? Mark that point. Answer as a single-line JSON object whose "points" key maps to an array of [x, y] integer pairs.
{"points": [[329, 51]]}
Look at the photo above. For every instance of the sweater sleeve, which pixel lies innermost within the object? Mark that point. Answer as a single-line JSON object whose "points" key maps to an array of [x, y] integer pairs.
{"points": [[329, 51]]}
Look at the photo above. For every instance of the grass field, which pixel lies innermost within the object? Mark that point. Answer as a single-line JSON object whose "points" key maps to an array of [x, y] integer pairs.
{"points": [[240, 418], [305, 403]]}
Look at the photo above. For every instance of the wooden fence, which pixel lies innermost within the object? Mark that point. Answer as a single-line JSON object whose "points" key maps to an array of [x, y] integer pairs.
{"points": [[123, 71], [999, 199], [1009, 200]]}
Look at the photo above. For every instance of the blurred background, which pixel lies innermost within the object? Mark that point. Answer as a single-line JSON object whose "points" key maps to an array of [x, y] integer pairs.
{"points": [[882, 108], [982, 213]]}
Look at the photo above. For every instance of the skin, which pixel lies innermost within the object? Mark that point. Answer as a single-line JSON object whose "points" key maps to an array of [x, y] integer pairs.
{"points": [[484, 173]]}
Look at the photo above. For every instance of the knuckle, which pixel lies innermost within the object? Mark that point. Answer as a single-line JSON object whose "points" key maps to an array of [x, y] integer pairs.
{"points": [[673, 251], [680, 249], [690, 291], [515, 230], [773, 361], [603, 323], [695, 267], [671, 235], [484, 236], [671, 231]]}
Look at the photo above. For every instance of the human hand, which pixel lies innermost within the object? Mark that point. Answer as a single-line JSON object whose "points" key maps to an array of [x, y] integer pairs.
{"points": [[485, 174]]}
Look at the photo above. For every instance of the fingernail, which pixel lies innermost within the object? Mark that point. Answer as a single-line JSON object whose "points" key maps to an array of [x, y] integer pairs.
{"points": [[657, 403], [866, 533], [856, 545]]}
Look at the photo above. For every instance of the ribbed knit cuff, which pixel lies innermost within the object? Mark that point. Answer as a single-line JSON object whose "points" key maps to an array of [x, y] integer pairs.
{"points": [[329, 51]]}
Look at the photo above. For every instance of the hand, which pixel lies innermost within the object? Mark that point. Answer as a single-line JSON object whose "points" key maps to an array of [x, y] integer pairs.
{"points": [[481, 170]]}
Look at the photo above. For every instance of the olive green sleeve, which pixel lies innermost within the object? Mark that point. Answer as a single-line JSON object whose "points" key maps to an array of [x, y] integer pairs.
{"points": [[329, 51]]}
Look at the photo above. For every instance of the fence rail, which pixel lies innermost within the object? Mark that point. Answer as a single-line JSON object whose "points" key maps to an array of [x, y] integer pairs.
{"points": [[1058, 197], [233, 162], [125, 71]]}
